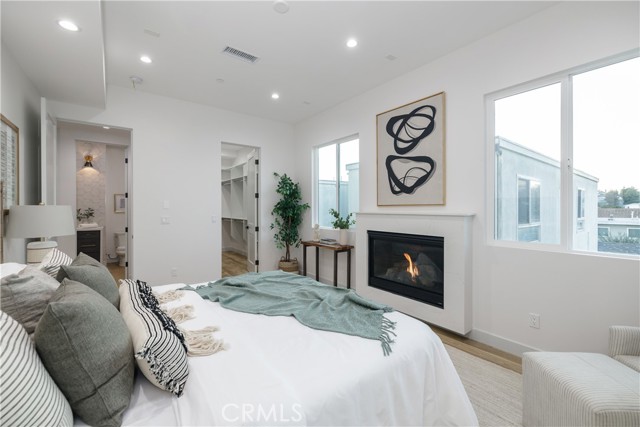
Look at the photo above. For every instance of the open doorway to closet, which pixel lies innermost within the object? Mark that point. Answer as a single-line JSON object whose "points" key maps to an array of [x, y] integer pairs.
{"points": [[240, 206]]}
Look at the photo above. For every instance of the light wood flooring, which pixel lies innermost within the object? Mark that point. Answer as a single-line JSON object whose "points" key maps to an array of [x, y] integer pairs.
{"points": [[233, 264], [483, 351], [116, 271]]}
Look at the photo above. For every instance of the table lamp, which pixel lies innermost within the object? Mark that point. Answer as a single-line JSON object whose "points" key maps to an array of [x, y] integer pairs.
{"points": [[43, 221]]}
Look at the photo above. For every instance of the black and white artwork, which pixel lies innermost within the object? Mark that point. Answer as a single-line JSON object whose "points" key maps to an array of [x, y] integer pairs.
{"points": [[410, 143]]}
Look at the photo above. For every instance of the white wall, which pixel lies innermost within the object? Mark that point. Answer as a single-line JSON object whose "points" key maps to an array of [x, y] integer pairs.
{"points": [[577, 296], [175, 157], [20, 103]]}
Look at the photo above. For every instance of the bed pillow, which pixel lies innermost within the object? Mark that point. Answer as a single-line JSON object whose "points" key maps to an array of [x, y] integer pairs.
{"points": [[25, 295], [86, 270], [158, 344], [9, 268], [28, 394], [86, 347], [53, 260]]}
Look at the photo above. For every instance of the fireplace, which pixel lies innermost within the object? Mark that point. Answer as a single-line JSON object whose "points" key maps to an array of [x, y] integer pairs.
{"points": [[409, 265]]}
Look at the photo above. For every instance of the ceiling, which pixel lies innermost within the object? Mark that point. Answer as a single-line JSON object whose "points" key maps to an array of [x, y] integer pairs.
{"points": [[302, 53]]}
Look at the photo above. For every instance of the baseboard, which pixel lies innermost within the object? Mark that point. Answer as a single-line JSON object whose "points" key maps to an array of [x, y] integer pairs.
{"points": [[499, 342]]}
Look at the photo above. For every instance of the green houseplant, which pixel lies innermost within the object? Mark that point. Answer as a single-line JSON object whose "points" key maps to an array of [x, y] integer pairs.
{"points": [[342, 224], [288, 212]]}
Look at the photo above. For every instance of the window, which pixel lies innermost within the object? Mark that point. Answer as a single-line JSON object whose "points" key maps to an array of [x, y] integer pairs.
{"points": [[336, 179], [571, 142], [580, 209], [528, 210], [633, 233]]}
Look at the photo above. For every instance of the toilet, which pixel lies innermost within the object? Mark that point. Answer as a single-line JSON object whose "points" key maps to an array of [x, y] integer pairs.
{"points": [[121, 248]]}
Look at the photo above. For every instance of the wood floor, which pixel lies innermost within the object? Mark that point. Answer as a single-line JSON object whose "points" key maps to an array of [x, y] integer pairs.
{"points": [[116, 271], [483, 351], [233, 264]]}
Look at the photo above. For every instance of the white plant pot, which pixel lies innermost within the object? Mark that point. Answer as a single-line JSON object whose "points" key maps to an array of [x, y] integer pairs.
{"points": [[343, 238]]}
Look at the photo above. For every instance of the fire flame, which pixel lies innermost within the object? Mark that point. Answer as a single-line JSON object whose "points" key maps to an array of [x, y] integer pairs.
{"points": [[412, 269]]}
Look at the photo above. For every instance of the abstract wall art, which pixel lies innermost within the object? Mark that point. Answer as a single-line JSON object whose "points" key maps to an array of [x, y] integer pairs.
{"points": [[411, 153]]}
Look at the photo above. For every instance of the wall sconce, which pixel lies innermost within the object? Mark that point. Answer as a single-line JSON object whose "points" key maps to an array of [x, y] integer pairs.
{"points": [[87, 161]]}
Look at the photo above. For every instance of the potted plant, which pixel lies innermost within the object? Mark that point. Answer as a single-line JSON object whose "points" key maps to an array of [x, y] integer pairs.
{"points": [[342, 224], [288, 217]]}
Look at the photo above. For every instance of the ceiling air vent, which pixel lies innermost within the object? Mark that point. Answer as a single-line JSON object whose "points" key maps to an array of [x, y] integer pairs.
{"points": [[247, 57]]}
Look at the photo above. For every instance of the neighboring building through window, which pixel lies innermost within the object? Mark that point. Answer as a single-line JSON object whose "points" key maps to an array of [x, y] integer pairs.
{"points": [[591, 170], [336, 179]]}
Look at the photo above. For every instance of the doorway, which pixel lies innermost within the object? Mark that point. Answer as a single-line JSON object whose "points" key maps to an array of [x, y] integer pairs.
{"points": [[240, 207], [93, 169]]}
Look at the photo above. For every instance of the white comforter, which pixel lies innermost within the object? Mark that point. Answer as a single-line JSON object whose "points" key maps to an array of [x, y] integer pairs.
{"points": [[279, 372]]}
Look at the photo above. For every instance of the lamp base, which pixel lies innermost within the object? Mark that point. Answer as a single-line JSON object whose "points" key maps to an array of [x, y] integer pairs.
{"points": [[36, 251]]}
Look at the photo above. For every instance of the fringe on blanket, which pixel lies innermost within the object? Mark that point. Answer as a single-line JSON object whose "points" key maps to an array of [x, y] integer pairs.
{"points": [[200, 342], [387, 328]]}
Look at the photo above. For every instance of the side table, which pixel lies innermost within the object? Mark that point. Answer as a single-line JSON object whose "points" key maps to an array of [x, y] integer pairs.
{"points": [[336, 250]]}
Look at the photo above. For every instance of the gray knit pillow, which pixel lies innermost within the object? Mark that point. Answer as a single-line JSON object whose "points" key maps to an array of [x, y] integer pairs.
{"points": [[86, 347], [25, 295], [88, 271], [28, 394]]}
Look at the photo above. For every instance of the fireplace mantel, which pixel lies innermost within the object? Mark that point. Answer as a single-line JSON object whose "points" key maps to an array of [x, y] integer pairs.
{"points": [[456, 230]]}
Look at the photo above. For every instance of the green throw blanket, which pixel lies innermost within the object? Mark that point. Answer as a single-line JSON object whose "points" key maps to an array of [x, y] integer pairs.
{"points": [[318, 306]]}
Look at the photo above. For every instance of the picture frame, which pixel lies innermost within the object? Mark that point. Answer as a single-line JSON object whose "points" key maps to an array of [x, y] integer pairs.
{"points": [[410, 144], [10, 164], [119, 203]]}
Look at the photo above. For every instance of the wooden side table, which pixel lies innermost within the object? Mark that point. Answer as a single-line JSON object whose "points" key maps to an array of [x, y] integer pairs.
{"points": [[336, 250]]}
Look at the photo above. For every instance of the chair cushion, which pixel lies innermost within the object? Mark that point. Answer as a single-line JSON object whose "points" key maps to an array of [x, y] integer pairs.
{"points": [[28, 394], [86, 270], [25, 295], [86, 347], [631, 361]]}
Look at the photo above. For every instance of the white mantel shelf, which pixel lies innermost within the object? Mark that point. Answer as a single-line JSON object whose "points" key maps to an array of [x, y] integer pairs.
{"points": [[456, 230]]}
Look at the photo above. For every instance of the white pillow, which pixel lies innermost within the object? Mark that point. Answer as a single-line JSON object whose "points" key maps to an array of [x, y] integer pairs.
{"points": [[28, 394], [53, 260], [158, 345], [9, 268]]}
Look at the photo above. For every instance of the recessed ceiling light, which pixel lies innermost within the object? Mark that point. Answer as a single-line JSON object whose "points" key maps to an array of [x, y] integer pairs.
{"points": [[275, 95], [68, 25], [281, 6], [352, 43], [145, 59], [106, 127]]}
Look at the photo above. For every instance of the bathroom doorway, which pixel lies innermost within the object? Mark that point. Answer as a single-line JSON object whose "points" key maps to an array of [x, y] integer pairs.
{"points": [[240, 206], [92, 176]]}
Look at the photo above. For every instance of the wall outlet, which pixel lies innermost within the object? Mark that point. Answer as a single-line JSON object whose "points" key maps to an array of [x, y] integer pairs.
{"points": [[164, 220], [174, 272], [534, 320]]}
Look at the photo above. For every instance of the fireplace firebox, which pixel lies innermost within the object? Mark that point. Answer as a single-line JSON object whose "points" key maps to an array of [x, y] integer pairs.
{"points": [[409, 265]]}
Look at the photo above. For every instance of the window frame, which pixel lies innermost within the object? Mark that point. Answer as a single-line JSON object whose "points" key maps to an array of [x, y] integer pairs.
{"points": [[567, 202], [316, 174], [633, 228]]}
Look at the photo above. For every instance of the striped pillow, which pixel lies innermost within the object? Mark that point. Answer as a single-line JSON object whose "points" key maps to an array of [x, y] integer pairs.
{"points": [[28, 394], [158, 344], [53, 260]]}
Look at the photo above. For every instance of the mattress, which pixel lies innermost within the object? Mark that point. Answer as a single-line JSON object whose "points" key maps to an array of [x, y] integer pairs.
{"points": [[276, 371]]}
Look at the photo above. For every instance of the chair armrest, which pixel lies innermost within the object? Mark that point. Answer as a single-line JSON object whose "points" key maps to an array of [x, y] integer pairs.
{"points": [[624, 340]]}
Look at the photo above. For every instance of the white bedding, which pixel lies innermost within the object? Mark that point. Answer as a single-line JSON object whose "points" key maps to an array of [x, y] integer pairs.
{"points": [[279, 372]]}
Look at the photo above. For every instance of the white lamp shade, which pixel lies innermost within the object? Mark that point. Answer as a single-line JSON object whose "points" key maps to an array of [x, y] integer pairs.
{"points": [[27, 221]]}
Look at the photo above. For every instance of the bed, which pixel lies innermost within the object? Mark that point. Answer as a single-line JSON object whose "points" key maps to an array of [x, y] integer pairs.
{"points": [[275, 371]]}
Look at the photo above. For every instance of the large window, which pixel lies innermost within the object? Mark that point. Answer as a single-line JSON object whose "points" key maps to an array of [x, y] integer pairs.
{"points": [[566, 153], [336, 179]]}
